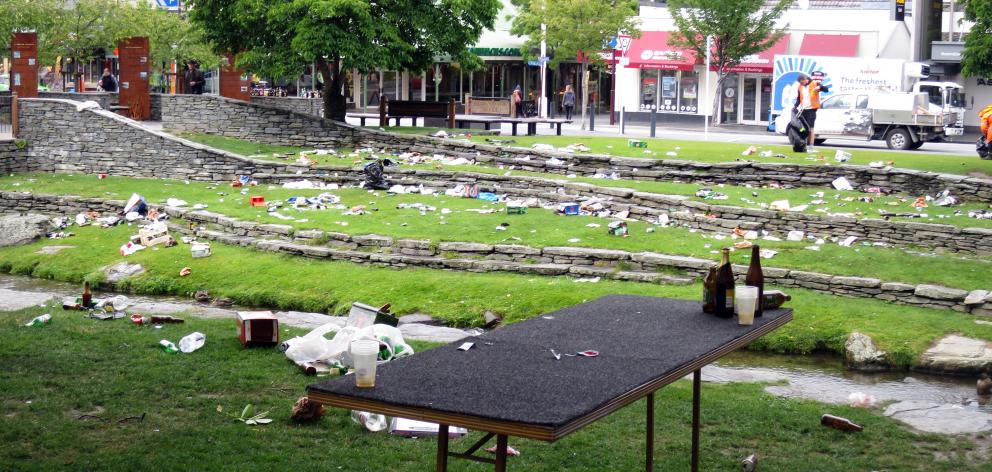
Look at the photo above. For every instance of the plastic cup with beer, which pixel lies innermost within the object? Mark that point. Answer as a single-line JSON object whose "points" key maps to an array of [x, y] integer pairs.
{"points": [[364, 353], [746, 301]]}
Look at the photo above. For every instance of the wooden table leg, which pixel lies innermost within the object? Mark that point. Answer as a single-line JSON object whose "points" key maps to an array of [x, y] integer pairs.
{"points": [[442, 448], [501, 444], [695, 420], [649, 460]]}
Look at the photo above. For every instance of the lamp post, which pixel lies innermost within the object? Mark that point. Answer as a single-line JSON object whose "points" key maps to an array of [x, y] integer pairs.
{"points": [[543, 107], [706, 117]]}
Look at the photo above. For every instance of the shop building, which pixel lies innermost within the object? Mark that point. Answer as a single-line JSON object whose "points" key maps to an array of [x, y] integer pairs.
{"points": [[655, 76]]}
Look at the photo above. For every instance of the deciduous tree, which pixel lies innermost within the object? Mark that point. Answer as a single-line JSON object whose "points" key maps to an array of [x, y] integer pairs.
{"points": [[574, 29], [739, 29], [976, 60], [283, 37]]}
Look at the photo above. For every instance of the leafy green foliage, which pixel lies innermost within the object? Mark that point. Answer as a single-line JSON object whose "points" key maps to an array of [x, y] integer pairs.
{"points": [[283, 37], [739, 29], [976, 60], [573, 26]]}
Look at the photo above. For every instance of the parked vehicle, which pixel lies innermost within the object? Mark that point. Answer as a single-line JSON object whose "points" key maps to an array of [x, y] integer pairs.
{"points": [[868, 77], [903, 120]]}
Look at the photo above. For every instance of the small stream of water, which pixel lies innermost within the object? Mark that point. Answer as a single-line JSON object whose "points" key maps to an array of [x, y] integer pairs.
{"points": [[927, 402]]}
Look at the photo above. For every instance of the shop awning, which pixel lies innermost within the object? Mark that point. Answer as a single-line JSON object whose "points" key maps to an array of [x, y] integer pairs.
{"points": [[837, 45], [651, 51], [764, 61]]}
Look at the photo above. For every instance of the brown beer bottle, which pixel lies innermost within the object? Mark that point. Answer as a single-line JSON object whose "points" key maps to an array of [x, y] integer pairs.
{"points": [[87, 301], [842, 424], [709, 292], [773, 299], [756, 278], [725, 287]]}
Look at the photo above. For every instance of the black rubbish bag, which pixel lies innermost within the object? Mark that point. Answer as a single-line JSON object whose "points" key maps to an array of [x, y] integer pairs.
{"points": [[374, 178], [982, 148], [798, 132]]}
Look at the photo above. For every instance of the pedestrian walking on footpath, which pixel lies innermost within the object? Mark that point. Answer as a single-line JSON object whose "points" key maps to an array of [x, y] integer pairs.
{"points": [[568, 101], [193, 79], [518, 102], [108, 83]]}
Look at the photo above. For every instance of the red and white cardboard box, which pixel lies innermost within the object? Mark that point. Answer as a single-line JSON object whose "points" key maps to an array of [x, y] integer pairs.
{"points": [[258, 328]]}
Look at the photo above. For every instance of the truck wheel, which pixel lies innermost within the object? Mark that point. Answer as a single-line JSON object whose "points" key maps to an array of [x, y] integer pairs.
{"points": [[916, 145], [819, 141], [898, 139]]}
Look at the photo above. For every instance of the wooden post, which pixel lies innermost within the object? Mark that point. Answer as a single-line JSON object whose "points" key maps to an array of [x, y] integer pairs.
{"points": [[24, 64], [382, 110], [13, 115], [233, 81], [135, 73], [451, 113]]}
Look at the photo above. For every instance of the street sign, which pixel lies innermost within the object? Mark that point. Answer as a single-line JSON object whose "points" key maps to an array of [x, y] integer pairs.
{"points": [[169, 4], [623, 43]]}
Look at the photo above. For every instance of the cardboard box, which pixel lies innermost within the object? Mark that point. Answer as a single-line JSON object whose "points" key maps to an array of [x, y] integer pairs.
{"points": [[257, 328]]}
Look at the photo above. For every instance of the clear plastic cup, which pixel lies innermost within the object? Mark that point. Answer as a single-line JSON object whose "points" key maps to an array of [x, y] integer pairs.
{"points": [[363, 354], [746, 299]]}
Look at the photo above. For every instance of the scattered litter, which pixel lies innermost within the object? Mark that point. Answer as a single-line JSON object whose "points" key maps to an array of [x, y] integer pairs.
{"points": [[168, 346], [839, 423], [40, 320], [306, 410], [414, 429], [574, 240], [192, 342], [767, 253], [671, 153], [509, 451], [618, 228], [920, 202], [751, 150], [589, 353], [848, 241], [175, 202], [861, 400], [258, 328], [556, 354], [306, 185], [199, 249], [593, 225], [779, 205], [842, 156], [542, 147], [130, 248], [465, 346], [841, 183], [591, 280]]}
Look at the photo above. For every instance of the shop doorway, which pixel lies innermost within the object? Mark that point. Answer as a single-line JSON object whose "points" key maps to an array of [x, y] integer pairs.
{"points": [[755, 100]]}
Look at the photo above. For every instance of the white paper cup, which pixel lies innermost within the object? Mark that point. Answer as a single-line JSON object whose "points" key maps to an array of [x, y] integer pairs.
{"points": [[363, 354], [746, 299]]}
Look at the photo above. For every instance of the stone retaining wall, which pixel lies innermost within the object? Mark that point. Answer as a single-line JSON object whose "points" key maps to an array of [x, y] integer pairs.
{"points": [[477, 257], [255, 122], [306, 106], [103, 98], [93, 141], [685, 212], [13, 159]]}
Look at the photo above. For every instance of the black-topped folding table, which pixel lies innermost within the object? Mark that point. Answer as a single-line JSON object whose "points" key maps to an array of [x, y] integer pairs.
{"points": [[510, 383]]}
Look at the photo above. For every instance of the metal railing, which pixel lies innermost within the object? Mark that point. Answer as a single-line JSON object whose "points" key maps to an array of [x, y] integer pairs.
{"points": [[6, 115]]}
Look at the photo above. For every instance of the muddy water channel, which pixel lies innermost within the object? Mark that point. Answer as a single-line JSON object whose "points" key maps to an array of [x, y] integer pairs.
{"points": [[932, 403]]}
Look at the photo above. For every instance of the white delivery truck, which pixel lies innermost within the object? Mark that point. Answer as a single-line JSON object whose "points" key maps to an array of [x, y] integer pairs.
{"points": [[868, 77], [903, 120]]}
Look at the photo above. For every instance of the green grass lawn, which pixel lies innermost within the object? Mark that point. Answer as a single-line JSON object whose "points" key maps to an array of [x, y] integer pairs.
{"points": [[111, 370], [834, 202], [538, 228], [255, 278], [703, 151]]}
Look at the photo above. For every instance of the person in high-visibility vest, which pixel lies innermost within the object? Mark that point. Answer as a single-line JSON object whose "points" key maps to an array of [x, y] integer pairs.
{"points": [[808, 100], [985, 117]]}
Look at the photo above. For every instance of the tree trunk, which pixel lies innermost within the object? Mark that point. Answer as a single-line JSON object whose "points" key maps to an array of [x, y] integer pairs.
{"points": [[334, 101], [585, 93], [718, 99]]}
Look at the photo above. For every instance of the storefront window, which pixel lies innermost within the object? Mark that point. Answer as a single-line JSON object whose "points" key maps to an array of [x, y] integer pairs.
{"points": [[668, 100], [649, 89], [689, 96], [670, 91]]}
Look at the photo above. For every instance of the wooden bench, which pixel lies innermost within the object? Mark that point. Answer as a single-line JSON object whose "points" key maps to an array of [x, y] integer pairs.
{"points": [[413, 109], [533, 122], [398, 109]]}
